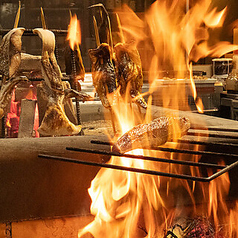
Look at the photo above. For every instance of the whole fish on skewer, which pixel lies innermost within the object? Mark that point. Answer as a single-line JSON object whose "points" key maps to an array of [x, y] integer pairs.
{"points": [[55, 121], [10, 59], [129, 72], [10, 52], [103, 74], [152, 134], [103, 68], [129, 69]]}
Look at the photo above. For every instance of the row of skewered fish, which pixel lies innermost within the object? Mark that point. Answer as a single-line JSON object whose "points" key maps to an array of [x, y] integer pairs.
{"points": [[56, 92], [115, 66], [112, 67], [119, 68]]}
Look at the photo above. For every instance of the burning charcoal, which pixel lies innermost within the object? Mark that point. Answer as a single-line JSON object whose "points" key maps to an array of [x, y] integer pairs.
{"points": [[129, 71], [104, 76], [55, 121], [155, 133], [198, 227]]}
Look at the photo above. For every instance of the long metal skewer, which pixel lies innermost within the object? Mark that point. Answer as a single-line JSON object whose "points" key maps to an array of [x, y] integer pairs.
{"points": [[182, 151], [143, 171], [149, 158]]}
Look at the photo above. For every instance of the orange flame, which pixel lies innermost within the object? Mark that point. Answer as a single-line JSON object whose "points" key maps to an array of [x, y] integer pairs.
{"points": [[74, 32], [121, 200]]}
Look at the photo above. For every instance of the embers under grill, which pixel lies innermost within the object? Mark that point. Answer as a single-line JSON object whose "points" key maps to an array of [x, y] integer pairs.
{"points": [[193, 137]]}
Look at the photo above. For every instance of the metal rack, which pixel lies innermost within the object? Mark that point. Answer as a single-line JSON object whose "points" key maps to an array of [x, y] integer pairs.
{"points": [[219, 169]]}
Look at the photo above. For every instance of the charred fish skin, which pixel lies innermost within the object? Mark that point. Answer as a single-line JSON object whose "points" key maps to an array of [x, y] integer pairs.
{"points": [[155, 133], [129, 71], [103, 72]]}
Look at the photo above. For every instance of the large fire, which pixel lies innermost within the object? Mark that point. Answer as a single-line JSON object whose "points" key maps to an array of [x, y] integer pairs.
{"points": [[127, 204]]}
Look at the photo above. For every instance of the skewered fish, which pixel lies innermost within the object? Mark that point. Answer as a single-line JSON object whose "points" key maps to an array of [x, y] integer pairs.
{"points": [[129, 71], [10, 52], [155, 133], [104, 75], [10, 59], [55, 121]]}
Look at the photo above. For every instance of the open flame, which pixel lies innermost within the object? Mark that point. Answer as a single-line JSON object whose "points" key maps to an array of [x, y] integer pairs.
{"points": [[74, 32], [129, 204]]}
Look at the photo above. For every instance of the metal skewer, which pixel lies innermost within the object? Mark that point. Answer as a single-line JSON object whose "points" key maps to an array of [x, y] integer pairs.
{"points": [[181, 151], [149, 158], [143, 171], [17, 16], [111, 45]]}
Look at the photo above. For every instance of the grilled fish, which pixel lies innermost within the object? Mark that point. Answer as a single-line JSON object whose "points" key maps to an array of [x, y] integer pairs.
{"points": [[55, 121], [155, 133], [10, 59], [10, 52], [104, 75], [129, 72]]}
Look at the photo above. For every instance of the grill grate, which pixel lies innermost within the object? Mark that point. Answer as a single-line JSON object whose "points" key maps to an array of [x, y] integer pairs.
{"points": [[218, 169]]}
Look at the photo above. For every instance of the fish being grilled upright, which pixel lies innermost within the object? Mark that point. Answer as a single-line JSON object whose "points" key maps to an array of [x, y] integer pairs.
{"points": [[104, 75], [129, 72], [10, 59], [10, 52], [155, 133], [56, 92]]}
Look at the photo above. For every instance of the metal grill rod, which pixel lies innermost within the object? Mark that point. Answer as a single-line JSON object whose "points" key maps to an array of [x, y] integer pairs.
{"points": [[155, 159], [29, 32], [138, 170], [214, 129], [183, 151], [196, 142], [189, 133]]}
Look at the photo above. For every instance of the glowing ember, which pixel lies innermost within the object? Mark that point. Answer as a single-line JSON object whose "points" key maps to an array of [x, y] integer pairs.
{"points": [[129, 204]]}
